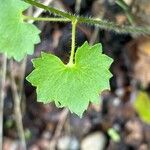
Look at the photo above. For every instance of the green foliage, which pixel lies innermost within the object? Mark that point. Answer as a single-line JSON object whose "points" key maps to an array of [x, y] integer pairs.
{"points": [[114, 135], [17, 38], [72, 86], [27, 134], [142, 106]]}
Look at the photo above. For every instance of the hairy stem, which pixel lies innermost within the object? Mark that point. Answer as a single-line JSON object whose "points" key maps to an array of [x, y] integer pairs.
{"points": [[2, 96], [74, 25], [103, 24], [46, 19], [51, 9]]}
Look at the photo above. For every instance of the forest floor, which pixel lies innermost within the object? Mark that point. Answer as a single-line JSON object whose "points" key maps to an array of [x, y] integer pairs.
{"points": [[113, 125]]}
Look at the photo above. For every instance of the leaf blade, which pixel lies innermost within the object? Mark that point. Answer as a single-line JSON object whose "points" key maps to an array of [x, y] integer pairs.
{"points": [[17, 37], [73, 87]]}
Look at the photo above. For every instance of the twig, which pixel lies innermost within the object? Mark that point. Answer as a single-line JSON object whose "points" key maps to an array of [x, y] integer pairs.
{"points": [[78, 6], [96, 31], [62, 119], [17, 110], [39, 11], [2, 96], [94, 35], [126, 9], [23, 68]]}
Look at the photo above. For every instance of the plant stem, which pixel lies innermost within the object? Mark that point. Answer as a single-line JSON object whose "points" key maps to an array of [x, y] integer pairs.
{"points": [[74, 25], [2, 96], [51, 9], [111, 26], [122, 4], [103, 24], [46, 19]]}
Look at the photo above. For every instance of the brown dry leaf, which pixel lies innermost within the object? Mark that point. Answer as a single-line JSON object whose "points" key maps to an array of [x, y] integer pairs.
{"points": [[144, 46], [135, 132], [139, 53], [141, 11], [121, 19], [98, 9]]}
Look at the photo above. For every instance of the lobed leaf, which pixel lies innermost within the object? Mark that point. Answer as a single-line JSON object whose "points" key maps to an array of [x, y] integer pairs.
{"points": [[17, 38], [72, 86]]}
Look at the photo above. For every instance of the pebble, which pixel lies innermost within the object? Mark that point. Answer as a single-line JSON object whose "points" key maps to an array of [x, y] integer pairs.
{"points": [[95, 141], [68, 143]]}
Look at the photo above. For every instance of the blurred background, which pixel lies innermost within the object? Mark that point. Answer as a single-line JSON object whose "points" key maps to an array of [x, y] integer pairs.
{"points": [[121, 122]]}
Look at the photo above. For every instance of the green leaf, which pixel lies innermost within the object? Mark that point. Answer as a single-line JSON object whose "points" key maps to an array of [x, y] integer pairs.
{"points": [[17, 38], [72, 86], [142, 106], [114, 135]]}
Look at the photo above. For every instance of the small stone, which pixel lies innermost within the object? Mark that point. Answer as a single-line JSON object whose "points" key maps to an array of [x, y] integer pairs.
{"points": [[43, 144], [135, 132], [95, 141], [46, 135], [116, 101], [34, 147], [10, 144], [68, 143]]}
